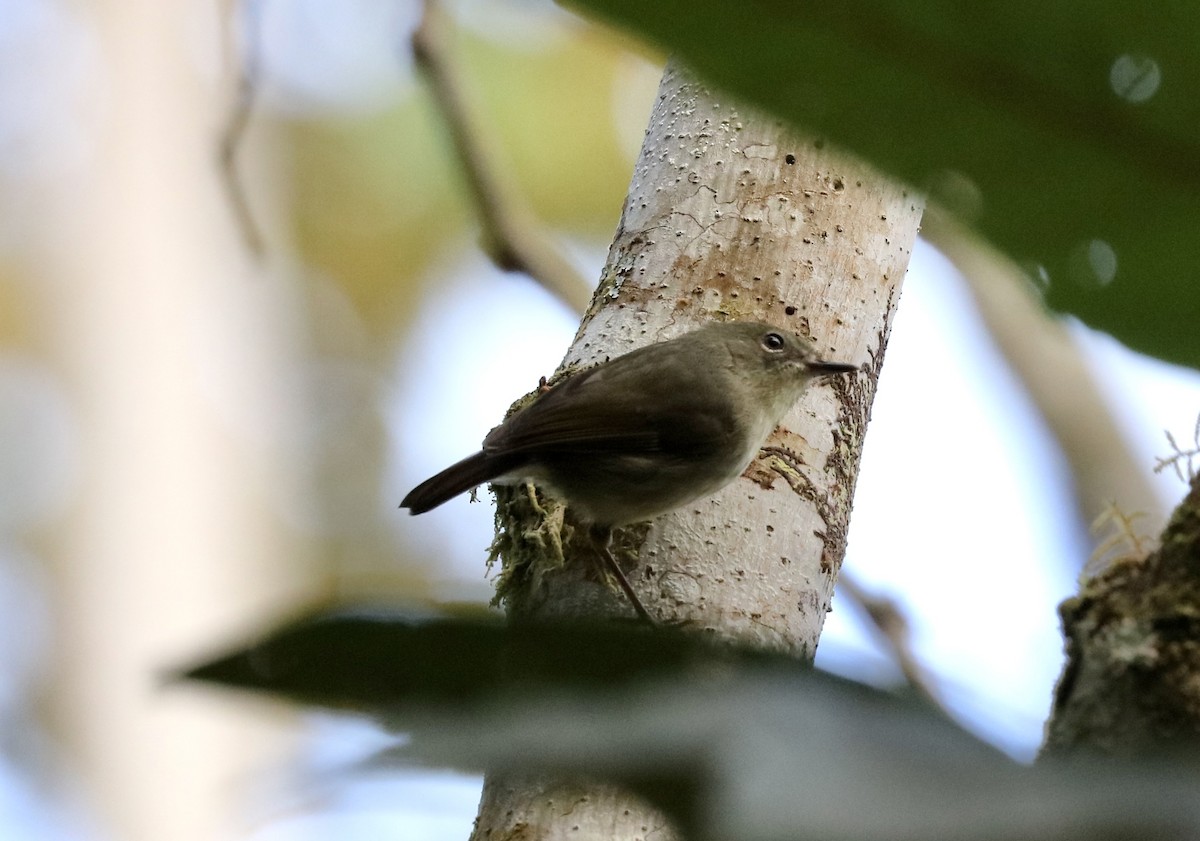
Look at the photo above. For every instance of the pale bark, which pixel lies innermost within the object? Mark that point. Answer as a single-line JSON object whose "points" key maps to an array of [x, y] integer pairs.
{"points": [[729, 216]]}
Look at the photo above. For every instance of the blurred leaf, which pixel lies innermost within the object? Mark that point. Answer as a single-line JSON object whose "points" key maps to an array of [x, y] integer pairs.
{"points": [[379, 196], [1069, 133], [733, 744], [374, 206], [375, 659], [17, 313], [552, 111], [767, 754]]}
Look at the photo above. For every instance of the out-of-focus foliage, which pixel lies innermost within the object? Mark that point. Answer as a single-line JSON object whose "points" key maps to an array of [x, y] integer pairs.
{"points": [[16, 321], [378, 658], [732, 743], [378, 196], [1069, 133]]}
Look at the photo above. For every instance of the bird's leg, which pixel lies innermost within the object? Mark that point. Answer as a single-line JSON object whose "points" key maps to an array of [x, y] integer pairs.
{"points": [[602, 537]]}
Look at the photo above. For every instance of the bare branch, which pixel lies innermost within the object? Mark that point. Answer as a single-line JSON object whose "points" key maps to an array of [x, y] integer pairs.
{"points": [[512, 235], [245, 54], [892, 626]]}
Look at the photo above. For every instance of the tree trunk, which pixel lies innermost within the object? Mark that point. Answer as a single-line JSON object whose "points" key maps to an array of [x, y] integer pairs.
{"points": [[1129, 686], [730, 216], [172, 536]]}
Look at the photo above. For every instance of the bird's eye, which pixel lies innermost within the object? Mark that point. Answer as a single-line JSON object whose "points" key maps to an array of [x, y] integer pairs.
{"points": [[773, 342]]}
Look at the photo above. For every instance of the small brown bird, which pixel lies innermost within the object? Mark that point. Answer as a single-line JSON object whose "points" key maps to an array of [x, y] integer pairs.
{"points": [[647, 432]]}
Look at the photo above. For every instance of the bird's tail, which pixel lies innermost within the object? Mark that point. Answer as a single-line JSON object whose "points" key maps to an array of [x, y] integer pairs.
{"points": [[455, 479]]}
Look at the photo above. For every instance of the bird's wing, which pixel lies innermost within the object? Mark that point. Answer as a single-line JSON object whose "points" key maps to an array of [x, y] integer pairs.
{"points": [[615, 407]]}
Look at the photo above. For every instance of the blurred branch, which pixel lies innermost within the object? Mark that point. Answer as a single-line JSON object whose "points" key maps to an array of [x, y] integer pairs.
{"points": [[248, 61], [513, 236], [1054, 371], [892, 625]]}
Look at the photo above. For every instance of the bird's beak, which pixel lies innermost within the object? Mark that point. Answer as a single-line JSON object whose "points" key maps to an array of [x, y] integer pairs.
{"points": [[823, 369]]}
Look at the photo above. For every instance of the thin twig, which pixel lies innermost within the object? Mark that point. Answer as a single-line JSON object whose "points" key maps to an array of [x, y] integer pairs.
{"points": [[892, 626], [1180, 456], [513, 237], [248, 60], [1122, 545]]}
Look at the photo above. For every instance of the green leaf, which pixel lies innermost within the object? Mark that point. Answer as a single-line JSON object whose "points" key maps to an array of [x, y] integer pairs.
{"points": [[1068, 133], [376, 659], [730, 743]]}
